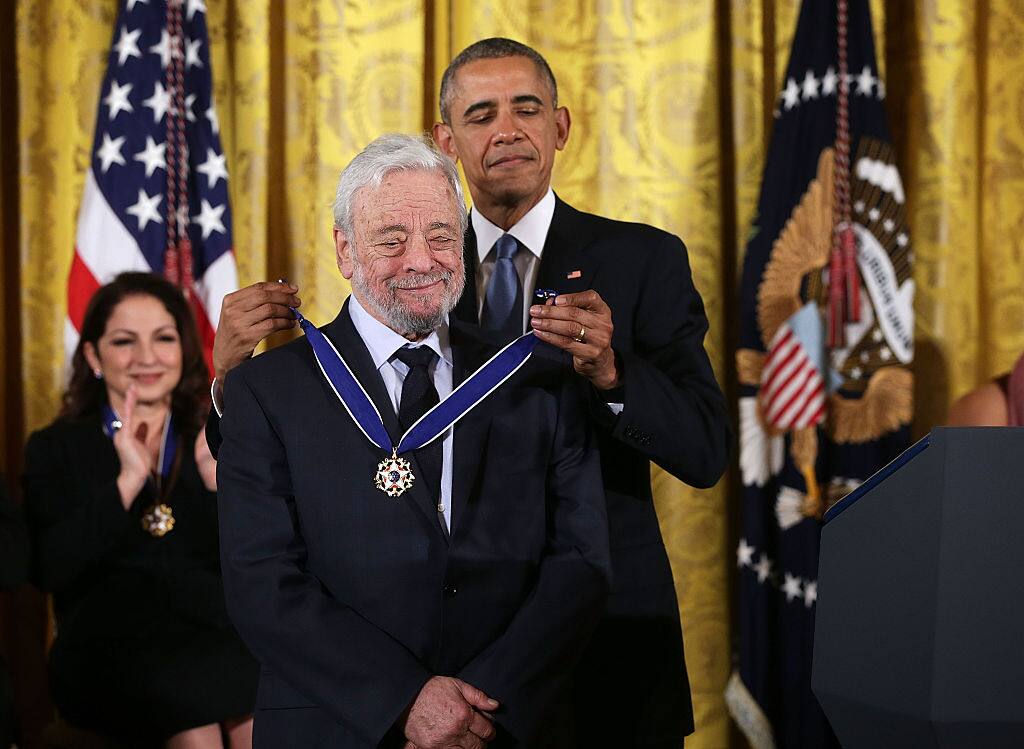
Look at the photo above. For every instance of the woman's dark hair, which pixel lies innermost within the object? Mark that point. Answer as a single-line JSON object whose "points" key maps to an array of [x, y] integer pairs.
{"points": [[85, 393]]}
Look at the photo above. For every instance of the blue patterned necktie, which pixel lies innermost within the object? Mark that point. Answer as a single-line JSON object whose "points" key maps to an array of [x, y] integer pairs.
{"points": [[503, 304]]}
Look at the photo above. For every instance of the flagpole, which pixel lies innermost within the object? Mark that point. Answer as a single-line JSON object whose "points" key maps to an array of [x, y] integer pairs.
{"points": [[178, 257], [844, 287]]}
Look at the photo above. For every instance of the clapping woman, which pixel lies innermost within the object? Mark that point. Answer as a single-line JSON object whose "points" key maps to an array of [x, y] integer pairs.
{"points": [[120, 497]]}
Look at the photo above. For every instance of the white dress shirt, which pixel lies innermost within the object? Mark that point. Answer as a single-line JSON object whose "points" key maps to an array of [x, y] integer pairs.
{"points": [[382, 343], [531, 231]]}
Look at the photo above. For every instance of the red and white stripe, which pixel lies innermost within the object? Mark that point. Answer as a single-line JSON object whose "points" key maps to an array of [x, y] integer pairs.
{"points": [[104, 248], [792, 392], [220, 279]]}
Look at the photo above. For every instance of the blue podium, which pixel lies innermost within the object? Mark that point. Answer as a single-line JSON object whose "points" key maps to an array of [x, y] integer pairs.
{"points": [[919, 635]]}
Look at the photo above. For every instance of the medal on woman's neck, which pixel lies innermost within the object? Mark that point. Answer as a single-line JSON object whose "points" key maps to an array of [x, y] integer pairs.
{"points": [[394, 473], [158, 518]]}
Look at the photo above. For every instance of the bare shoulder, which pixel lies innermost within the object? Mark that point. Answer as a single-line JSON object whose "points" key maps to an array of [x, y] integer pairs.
{"points": [[983, 406]]}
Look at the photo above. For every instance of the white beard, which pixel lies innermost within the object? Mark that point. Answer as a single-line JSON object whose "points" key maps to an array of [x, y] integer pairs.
{"points": [[395, 315]]}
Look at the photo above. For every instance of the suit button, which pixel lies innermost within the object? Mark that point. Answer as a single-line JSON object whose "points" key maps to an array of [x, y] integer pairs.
{"points": [[450, 591]]}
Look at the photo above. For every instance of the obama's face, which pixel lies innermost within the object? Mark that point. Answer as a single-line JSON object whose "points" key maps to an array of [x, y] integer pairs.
{"points": [[505, 129]]}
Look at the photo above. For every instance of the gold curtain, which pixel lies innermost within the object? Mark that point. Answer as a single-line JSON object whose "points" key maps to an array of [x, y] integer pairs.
{"points": [[957, 107], [671, 105]]}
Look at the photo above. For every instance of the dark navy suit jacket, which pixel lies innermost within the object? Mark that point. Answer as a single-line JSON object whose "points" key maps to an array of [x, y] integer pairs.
{"points": [[352, 600], [631, 685]]}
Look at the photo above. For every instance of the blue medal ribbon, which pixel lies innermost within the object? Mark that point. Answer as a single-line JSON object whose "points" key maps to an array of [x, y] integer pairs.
{"points": [[434, 422]]}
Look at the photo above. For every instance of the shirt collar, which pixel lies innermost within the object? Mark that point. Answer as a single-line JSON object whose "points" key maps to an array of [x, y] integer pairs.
{"points": [[531, 230], [382, 342]]}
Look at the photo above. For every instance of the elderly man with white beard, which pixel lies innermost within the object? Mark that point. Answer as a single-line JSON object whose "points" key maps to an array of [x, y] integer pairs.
{"points": [[412, 521]]}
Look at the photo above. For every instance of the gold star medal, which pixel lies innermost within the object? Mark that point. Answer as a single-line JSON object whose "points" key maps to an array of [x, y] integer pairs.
{"points": [[158, 520], [394, 475]]}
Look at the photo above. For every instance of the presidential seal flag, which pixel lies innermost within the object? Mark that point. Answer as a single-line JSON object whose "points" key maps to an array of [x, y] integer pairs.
{"points": [[825, 351], [156, 191]]}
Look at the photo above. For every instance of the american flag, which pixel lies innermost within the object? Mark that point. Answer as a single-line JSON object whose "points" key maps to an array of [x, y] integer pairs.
{"points": [[792, 390], [156, 192], [826, 345]]}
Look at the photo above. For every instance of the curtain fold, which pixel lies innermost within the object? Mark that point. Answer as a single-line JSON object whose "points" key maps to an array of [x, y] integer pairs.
{"points": [[672, 108]]}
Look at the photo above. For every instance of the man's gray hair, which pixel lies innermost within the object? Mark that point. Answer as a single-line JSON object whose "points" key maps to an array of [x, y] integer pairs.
{"points": [[387, 154], [496, 47]]}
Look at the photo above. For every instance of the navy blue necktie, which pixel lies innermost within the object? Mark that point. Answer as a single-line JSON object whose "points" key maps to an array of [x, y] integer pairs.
{"points": [[503, 304], [418, 396]]}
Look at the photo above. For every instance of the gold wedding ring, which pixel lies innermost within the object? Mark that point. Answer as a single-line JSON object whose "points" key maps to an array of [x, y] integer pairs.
{"points": [[581, 336]]}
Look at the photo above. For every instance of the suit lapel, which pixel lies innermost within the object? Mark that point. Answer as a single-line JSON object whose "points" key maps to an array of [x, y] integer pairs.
{"points": [[466, 309], [343, 334], [565, 252], [470, 441]]}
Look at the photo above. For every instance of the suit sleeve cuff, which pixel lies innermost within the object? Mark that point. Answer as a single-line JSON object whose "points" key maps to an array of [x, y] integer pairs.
{"points": [[216, 397], [615, 398]]}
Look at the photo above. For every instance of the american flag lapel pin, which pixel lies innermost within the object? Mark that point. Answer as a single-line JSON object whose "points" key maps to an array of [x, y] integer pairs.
{"points": [[574, 274]]}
